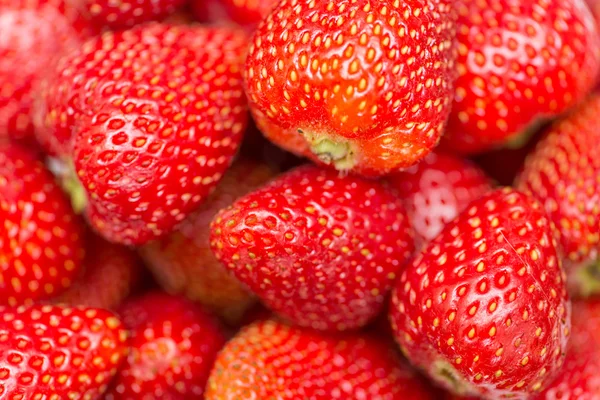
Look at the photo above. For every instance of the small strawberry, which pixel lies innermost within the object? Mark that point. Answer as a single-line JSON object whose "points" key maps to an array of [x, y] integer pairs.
{"points": [[483, 309], [182, 261], [126, 13], [269, 360], [34, 32], [361, 85], [111, 272], [316, 247], [50, 352], [562, 172], [150, 118], [519, 62], [246, 13], [173, 347], [436, 190], [41, 240]]}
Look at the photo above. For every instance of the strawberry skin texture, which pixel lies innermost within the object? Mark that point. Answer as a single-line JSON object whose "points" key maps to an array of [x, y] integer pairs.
{"points": [[158, 114], [173, 347], [436, 190], [41, 243], [519, 62], [246, 13], [318, 248], [269, 360], [183, 263], [111, 273], [361, 85], [483, 309], [126, 13], [562, 172], [34, 32], [51, 352]]}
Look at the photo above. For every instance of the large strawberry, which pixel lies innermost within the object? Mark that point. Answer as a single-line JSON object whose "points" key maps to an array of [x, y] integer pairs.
{"points": [[361, 85], [182, 261], [150, 117], [483, 309], [316, 247], [41, 240], [124, 13], [519, 62], [173, 347], [563, 173], [49, 352], [436, 190], [269, 360], [34, 32]]}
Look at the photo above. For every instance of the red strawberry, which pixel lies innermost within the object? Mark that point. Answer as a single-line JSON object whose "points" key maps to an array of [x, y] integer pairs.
{"points": [[316, 247], [151, 118], [34, 32], [269, 360], [111, 272], [49, 352], [41, 240], [125, 13], [595, 7], [183, 263], [362, 85], [483, 309], [519, 62], [173, 347], [246, 13], [436, 190], [563, 173]]}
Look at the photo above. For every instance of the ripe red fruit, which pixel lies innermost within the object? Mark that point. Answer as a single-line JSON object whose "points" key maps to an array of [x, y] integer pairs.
{"points": [[321, 249], [595, 7], [173, 347], [436, 190], [49, 352], [34, 32], [272, 360], [183, 262], [519, 62], [483, 309], [126, 13], [151, 118], [361, 85], [563, 173], [246, 13], [110, 274], [41, 240]]}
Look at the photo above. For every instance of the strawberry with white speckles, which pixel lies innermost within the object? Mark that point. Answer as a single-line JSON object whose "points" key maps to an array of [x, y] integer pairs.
{"points": [[50, 352], [483, 309], [320, 249], [150, 118], [562, 172], [41, 240], [436, 190], [519, 62], [361, 85], [269, 359], [173, 347], [125, 13]]}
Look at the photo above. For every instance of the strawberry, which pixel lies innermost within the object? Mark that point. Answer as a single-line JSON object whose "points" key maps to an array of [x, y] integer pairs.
{"points": [[126, 13], [33, 33], [246, 13], [361, 85], [50, 352], [269, 360], [519, 62], [436, 190], [595, 7], [563, 172], [149, 118], [41, 243], [182, 261], [111, 272], [483, 308], [321, 249], [173, 347]]}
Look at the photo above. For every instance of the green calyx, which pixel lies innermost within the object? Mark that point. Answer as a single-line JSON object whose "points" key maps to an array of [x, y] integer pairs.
{"points": [[65, 171], [336, 152], [521, 139], [451, 378], [587, 279]]}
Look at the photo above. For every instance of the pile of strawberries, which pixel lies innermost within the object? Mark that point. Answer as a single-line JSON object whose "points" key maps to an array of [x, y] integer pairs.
{"points": [[441, 239]]}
